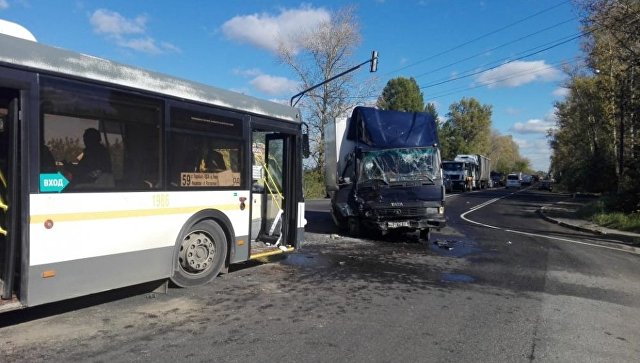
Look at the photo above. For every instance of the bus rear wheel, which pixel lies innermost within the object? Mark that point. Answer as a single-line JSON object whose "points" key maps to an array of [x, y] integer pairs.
{"points": [[200, 255]]}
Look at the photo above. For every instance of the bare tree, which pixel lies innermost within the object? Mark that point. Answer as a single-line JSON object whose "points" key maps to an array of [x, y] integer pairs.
{"points": [[324, 52]]}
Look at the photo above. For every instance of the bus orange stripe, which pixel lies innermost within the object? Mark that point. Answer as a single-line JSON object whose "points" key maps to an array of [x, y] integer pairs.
{"points": [[85, 216]]}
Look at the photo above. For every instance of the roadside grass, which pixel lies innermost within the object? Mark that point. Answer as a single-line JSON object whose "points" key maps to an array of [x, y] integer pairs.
{"points": [[602, 211], [313, 186], [620, 221]]}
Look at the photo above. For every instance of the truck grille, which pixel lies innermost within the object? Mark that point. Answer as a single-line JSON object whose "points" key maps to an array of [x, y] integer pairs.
{"points": [[401, 212]]}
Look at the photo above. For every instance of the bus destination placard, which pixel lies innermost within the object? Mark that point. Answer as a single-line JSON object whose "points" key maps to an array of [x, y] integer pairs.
{"points": [[224, 179]]}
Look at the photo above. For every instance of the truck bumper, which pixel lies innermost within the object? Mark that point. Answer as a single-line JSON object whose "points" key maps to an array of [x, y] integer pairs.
{"points": [[412, 224], [458, 184]]}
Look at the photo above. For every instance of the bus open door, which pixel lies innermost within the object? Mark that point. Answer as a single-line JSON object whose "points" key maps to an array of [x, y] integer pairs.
{"points": [[9, 183]]}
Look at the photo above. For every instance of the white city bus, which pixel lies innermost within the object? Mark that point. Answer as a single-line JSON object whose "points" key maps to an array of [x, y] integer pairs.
{"points": [[182, 179]]}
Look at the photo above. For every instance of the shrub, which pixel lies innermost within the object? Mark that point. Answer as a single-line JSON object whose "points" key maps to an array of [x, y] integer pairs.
{"points": [[313, 184]]}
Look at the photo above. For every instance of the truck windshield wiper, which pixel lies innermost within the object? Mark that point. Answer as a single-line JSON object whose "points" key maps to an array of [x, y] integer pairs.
{"points": [[380, 180], [376, 181]]}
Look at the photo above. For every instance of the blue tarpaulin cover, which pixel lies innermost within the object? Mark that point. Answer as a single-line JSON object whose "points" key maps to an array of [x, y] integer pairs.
{"points": [[392, 129]]}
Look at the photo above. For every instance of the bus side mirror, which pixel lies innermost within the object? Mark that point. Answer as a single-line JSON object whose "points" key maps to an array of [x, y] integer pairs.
{"points": [[306, 151]]}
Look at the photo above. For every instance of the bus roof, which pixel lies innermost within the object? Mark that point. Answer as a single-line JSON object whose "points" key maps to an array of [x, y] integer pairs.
{"points": [[40, 57]]}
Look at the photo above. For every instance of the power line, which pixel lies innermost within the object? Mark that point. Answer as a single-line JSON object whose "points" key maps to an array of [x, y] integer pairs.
{"points": [[513, 75], [479, 37], [495, 48], [579, 35]]}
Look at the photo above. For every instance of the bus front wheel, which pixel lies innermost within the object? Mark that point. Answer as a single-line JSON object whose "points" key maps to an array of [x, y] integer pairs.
{"points": [[200, 255]]}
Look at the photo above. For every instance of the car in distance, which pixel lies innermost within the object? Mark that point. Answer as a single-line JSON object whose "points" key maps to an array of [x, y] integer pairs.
{"points": [[448, 184], [513, 181], [546, 184]]}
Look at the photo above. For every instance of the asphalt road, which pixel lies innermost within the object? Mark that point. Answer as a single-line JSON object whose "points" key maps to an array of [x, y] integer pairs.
{"points": [[497, 284]]}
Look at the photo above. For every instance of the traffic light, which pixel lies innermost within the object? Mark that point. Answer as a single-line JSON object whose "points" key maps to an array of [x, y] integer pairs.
{"points": [[374, 61]]}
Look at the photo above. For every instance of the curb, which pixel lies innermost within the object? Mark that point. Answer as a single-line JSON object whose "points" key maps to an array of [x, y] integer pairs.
{"points": [[569, 225], [626, 240]]}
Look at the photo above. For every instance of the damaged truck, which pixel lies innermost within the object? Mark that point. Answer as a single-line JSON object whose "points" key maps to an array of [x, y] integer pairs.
{"points": [[384, 172]]}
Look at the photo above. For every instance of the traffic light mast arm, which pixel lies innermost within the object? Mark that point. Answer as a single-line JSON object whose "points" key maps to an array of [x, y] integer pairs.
{"points": [[374, 67]]}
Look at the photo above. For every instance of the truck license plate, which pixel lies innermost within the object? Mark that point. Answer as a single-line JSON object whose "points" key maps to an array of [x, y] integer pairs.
{"points": [[397, 224]]}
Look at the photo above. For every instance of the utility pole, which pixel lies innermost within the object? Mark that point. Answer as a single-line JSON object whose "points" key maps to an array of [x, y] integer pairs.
{"points": [[374, 67]]}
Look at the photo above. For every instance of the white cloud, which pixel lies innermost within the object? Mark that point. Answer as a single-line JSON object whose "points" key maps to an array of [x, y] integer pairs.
{"points": [[560, 92], [121, 31], [281, 101], [147, 45], [112, 23], [518, 73], [537, 126], [144, 45], [251, 72], [512, 111], [537, 151], [533, 126], [268, 31], [273, 85]]}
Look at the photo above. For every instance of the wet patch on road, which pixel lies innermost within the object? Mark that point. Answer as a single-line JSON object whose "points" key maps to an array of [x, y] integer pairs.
{"points": [[453, 277], [308, 260], [454, 247]]}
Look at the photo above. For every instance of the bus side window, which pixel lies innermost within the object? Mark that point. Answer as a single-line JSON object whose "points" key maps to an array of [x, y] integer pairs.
{"points": [[128, 126]]}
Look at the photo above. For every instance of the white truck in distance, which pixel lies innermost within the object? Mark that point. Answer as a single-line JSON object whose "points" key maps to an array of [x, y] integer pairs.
{"points": [[481, 169]]}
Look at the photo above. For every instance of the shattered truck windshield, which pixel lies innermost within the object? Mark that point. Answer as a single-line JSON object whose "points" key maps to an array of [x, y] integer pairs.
{"points": [[400, 165]]}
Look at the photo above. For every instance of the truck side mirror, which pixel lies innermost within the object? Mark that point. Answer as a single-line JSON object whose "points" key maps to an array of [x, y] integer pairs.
{"points": [[358, 152]]}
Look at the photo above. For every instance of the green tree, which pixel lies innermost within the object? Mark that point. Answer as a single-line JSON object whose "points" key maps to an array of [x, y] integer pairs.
{"points": [[504, 153], [401, 94], [580, 165], [598, 121], [430, 108], [448, 140], [468, 127], [612, 48]]}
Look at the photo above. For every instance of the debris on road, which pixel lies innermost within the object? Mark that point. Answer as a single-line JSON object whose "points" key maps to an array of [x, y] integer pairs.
{"points": [[443, 244]]}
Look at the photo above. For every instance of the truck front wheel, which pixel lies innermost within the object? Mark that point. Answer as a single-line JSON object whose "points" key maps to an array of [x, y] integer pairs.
{"points": [[354, 226], [425, 234]]}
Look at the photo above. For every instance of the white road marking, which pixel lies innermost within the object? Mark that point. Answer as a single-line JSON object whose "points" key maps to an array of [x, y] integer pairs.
{"points": [[479, 206]]}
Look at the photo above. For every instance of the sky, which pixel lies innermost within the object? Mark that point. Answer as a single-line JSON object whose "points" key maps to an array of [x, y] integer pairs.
{"points": [[509, 54]]}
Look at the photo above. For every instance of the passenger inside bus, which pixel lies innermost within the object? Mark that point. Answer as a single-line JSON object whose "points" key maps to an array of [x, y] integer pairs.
{"points": [[95, 165], [205, 159], [47, 161]]}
